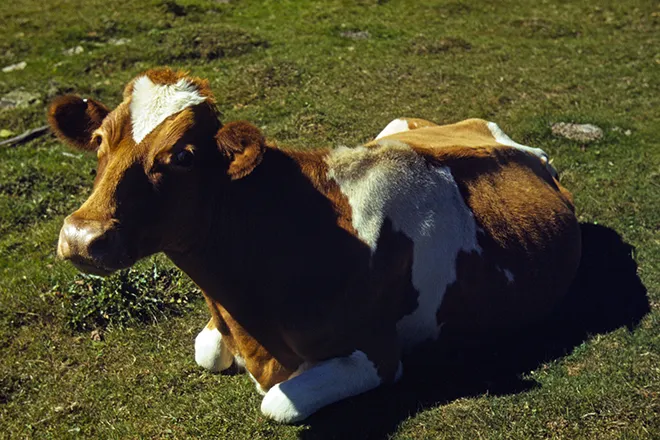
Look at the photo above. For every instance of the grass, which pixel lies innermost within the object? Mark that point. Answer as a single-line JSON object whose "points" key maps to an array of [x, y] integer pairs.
{"points": [[327, 73]]}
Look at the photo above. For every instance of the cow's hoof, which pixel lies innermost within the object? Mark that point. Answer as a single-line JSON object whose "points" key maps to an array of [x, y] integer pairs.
{"points": [[280, 408], [210, 352]]}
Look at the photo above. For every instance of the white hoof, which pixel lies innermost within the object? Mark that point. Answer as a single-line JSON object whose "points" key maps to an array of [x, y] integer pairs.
{"points": [[210, 352], [277, 406]]}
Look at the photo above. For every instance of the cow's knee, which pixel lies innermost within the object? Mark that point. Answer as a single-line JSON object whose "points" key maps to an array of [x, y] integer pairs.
{"points": [[211, 352]]}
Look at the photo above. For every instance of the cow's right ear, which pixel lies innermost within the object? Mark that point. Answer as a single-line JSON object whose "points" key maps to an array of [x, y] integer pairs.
{"points": [[74, 119], [243, 145]]}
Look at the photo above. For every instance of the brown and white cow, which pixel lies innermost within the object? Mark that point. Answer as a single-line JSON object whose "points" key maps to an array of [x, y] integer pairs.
{"points": [[320, 267]]}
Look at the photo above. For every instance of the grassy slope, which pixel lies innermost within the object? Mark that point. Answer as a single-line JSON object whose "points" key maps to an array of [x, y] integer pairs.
{"points": [[286, 66]]}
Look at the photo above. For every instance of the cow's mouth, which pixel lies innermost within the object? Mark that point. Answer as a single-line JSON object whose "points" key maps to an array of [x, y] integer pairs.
{"points": [[95, 267]]}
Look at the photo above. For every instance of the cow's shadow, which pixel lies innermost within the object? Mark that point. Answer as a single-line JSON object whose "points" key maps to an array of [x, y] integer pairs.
{"points": [[607, 294]]}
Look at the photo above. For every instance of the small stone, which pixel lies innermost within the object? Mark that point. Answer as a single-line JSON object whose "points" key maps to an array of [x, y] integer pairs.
{"points": [[119, 41], [74, 51], [577, 132], [17, 66], [19, 99], [356, 35], [96, 335]]}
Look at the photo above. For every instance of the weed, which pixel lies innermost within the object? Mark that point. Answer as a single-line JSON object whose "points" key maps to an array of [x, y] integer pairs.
{"points": [[129, 297]]}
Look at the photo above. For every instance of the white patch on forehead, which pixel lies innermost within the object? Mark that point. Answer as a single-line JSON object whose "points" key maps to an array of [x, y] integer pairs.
{"points": [[152, 103], [392, 181], [502, 138], [394, 127]]}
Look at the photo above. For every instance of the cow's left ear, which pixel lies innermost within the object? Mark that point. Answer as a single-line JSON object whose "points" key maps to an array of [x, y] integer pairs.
{"points": [[243, 145], [74, 119]]}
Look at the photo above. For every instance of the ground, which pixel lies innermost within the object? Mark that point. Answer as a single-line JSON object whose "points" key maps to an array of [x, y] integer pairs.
{"points": [[325, 73]]}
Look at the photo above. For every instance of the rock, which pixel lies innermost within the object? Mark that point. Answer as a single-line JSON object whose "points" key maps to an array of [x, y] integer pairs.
{"points": [[74, 51], [577, 132], [356, 35], [119, 41], [19, 99], [17, 66], [96, 335]]}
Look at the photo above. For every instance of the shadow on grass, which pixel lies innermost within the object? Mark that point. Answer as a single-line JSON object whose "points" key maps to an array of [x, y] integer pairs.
{"points": [[607, 294]]}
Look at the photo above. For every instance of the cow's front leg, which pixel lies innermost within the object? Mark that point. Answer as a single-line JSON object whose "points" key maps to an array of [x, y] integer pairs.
{"points": [[313, 387], [210, 351]]}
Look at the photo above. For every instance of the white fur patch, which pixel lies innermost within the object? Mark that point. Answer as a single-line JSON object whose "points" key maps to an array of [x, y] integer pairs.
{"points": [[502, 138], [394, 127], [152, 103], [392, 181], [320, 385], [210, 352]]}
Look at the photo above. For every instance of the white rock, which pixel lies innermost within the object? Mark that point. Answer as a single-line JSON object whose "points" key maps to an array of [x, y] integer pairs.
{"points": [[17, 66], [119, 41], [577, 132], [19, 99], [74, 51]]}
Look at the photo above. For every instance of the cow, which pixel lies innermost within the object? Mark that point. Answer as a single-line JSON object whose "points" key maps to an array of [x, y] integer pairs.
{"points": [[321, 268]]}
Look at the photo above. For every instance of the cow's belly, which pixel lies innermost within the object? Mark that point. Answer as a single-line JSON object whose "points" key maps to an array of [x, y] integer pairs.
{"points": [[485, 272]]}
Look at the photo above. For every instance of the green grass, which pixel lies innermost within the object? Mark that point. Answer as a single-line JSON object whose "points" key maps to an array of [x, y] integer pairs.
{"points": [[304, 73]]}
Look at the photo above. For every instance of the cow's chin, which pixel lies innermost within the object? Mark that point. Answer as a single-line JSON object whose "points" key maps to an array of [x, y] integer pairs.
{"points": [[95, 268]]}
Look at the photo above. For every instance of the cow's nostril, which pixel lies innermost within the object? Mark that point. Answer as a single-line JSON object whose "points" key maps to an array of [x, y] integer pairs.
{"points": [[100, 247]]}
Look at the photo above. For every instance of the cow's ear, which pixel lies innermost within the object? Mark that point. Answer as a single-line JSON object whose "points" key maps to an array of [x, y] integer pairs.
{"points": [[74, 119], [243, 145]]}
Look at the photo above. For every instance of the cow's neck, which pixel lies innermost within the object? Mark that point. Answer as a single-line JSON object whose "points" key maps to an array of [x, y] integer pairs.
{"points": [[275, 235]]}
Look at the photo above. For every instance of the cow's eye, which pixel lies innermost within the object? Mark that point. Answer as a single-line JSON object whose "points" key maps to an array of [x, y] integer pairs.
{"points": [[183, 158]]}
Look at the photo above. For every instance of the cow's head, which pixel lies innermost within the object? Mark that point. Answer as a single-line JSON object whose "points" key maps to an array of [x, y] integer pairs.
{"points": [[164, 159]]}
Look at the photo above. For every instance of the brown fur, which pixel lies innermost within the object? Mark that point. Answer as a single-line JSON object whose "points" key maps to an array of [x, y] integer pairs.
{"points": [[545, 234]]}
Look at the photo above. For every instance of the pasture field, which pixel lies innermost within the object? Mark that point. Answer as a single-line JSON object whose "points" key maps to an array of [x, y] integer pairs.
{"points": [[75, 364]]}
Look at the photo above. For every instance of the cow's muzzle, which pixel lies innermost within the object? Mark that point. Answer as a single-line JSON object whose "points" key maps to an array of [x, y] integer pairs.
{"points": [[92, 246]]}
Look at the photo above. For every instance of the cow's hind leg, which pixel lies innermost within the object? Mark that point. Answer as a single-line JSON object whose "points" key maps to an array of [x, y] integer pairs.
{"points": [[319, 385], [210, 351]]}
